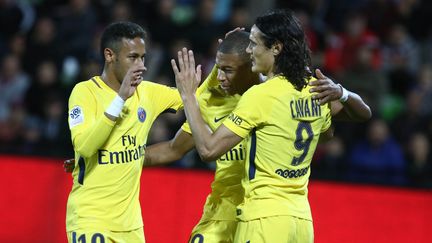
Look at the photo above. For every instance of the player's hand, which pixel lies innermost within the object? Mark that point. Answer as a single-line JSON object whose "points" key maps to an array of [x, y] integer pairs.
{"points": [[230, 32], [326, 90], [131, 80], [187, 76], [69, 165]]}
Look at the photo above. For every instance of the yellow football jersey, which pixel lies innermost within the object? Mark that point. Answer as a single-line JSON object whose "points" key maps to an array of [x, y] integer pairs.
{"points": [[227, 192], [282, 126], [109, 155]]}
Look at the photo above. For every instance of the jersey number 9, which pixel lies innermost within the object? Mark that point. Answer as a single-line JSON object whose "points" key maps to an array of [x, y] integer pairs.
{"points": [[302, 144]]}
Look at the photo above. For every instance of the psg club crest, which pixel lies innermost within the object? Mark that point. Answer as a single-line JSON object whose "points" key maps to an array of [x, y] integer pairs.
{"points": [[141, 114]]}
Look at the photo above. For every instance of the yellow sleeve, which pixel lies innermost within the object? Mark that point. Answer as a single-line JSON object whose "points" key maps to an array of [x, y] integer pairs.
{"points": [[247, 115], [89, 132], [210, 81], [164, 98]]}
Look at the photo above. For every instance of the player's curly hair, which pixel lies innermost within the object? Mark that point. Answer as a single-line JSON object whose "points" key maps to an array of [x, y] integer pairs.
{"points": [[115, 32], [295, 58]]}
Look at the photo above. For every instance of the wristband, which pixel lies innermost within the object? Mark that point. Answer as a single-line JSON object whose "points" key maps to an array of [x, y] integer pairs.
{"points": [[116, 106], [345, 94]]}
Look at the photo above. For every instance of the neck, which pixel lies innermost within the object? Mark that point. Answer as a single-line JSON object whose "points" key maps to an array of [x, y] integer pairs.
{"points": [[109, 79], [253, 80], [271, 73]]}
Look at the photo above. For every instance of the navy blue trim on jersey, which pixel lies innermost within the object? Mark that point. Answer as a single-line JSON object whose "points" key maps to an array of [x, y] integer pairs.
{"points": [[252, 152], [169, 110], [81, 165], [94, 80]]}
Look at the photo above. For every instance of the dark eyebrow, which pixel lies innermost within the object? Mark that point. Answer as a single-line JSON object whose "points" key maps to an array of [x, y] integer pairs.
{"points": [[135, 55]]}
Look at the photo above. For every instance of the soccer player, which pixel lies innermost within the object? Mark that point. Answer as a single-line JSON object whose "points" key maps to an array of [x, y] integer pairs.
{"points": [[110, 117], [233, 77], [282, 121]]}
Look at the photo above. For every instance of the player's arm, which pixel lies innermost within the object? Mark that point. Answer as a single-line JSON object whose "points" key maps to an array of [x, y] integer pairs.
{"points": [[89, 132], [210, 146], [169, 151], [345, 105]]}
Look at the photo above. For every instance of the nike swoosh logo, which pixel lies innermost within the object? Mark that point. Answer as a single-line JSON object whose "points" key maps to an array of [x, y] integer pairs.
{"points": [[216, 120]]}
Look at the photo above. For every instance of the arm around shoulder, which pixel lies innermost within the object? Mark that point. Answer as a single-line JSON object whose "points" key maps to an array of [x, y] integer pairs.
{"points": [[350, 107]]}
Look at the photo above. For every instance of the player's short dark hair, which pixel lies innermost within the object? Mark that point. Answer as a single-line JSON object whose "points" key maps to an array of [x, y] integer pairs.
{"points": [[282, 26], [115, 32], [235, 43]]}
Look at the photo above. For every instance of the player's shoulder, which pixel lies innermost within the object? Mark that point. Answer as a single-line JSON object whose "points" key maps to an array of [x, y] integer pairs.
{"points": [[261, 89], [281, 85], [148, 83], [211, 93], [310, 79], [145, 84], [86, 85], [94, 82]]}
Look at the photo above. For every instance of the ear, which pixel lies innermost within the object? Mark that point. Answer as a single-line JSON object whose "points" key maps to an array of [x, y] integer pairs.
{"points": [[277, 48], [109, 55]]}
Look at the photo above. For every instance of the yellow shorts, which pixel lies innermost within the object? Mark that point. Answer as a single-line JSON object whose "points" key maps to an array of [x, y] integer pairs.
{"points": [[275, 229], [106, 236], [217, 231]]}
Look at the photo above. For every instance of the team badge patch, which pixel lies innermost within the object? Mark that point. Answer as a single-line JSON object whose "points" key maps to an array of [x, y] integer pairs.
{"points": [[76, 116], [141, 114]]}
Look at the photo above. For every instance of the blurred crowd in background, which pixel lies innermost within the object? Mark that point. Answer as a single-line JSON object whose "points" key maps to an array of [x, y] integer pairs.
{"points": [[380, 49]]}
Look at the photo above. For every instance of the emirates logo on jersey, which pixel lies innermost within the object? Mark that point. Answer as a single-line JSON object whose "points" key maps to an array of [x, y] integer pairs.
{"points": [[141, 114]]}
